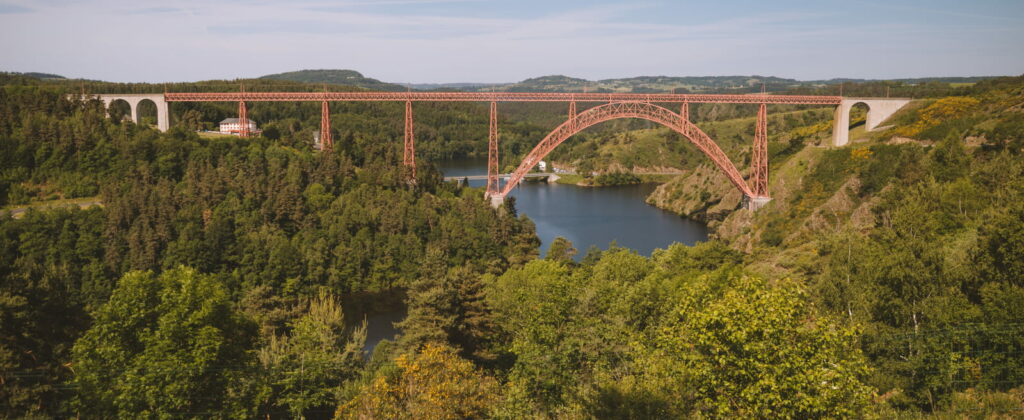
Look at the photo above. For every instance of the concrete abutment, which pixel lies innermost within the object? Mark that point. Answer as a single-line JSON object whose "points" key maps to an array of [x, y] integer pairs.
{"points": [[879, 110], [754, 203], [496, 200]]}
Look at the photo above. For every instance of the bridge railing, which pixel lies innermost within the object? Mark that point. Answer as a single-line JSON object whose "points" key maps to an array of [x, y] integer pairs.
{"points": [[500, 97]]}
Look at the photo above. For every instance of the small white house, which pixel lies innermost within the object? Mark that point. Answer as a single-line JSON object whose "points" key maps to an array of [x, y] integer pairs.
{"points": [[543, 166], [231, 126]]}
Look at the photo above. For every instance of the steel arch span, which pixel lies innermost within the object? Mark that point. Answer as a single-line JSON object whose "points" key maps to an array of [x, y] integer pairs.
{"points": [[630, 109]]}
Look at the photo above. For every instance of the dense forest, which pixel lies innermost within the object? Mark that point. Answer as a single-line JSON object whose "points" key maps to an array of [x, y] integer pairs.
{"points": [[886, 279], [264, 232]]}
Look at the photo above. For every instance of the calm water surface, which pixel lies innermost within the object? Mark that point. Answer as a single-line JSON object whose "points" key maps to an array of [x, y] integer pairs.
{"points": [[592, 216]]}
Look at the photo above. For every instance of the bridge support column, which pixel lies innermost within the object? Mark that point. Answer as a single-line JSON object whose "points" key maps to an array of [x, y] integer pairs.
{"points": [[572, 114], [163, 116], [759, 157], [492, 155], [134, 106], [684, 119], [841, 126], [327, 143], [243, 120], [409, 156]]}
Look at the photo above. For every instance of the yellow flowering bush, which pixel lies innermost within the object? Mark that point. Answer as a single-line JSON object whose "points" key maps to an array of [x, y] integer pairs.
{"points": [[942, 110], [433, 384]]}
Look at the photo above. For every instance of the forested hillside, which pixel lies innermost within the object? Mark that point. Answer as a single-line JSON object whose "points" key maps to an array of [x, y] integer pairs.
{"points": [[883, 281], [443, 130], [912, 234], [270, 234], [335, 77]]}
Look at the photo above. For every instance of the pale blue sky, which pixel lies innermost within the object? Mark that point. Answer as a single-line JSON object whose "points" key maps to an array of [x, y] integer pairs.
{"points": [[430, 41]]}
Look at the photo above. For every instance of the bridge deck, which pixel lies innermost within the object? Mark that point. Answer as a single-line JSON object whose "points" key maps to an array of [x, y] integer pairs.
{"points": [[499, 97]]}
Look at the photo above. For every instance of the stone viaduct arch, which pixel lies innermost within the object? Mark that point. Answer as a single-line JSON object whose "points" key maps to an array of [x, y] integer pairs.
{"points": [[879, 110], [120, 107], [679, 123], [133, 99]]}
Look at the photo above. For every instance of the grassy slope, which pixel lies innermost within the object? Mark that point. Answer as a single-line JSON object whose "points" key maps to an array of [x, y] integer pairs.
{"points": [[816, 190], [18, 211], [705, 194]]}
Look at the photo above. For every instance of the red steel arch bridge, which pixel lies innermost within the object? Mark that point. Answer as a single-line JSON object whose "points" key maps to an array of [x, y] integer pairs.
{"points": [[653, 107]]}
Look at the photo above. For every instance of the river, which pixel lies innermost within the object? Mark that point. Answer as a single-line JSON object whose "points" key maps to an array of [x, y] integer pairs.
{"points": [[592, 216], [586, 216]]}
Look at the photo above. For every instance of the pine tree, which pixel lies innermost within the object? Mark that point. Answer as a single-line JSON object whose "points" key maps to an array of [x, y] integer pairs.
{"points": [[431, 302], [448, 306], [304, 369], [561, 250]]}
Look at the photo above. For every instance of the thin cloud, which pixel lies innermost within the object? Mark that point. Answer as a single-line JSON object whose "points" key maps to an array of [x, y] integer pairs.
{"points": [[9, 9], [466, 41], [956, 13], [155, 11]]}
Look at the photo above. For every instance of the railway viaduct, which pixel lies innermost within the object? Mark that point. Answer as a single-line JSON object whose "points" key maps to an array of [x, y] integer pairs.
{"points": [[651, 107]]}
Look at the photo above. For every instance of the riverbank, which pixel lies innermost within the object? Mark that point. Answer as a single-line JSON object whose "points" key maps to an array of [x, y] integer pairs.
{"points": [[633, 179], [379, 310]]}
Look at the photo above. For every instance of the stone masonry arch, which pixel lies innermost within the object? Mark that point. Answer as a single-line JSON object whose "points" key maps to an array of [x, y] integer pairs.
{"points": [[879, 110], [133, 99], [148, 104]]}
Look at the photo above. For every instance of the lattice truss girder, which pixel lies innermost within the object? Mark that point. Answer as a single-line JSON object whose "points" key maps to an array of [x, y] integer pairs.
{"points": [[500, 97]]}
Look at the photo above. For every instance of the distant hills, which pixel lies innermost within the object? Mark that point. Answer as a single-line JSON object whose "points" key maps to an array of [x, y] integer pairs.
{"points": [[642, 84], [335, 77], [41, 76], [554, 83], [661, 84], [560, 83]]}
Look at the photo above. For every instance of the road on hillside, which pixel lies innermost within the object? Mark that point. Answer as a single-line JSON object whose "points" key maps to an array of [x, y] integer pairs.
{"points": [[19, 212]]}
